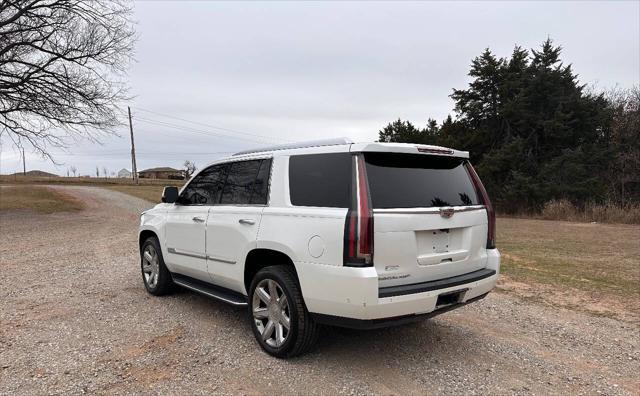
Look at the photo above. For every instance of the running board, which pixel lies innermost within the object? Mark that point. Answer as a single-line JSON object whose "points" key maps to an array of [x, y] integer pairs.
{"points": [[209, 290]]}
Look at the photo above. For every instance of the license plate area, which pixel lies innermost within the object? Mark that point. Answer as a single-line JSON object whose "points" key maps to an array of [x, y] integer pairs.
{"points": [[450, 298], [441, 241]]}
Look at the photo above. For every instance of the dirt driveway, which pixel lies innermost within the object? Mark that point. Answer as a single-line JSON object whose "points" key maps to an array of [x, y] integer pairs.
{"points": [[75, 318]]}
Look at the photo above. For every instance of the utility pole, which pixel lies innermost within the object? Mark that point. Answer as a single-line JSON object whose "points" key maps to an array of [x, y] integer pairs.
{"points": [[24, 165], [134, 169]]}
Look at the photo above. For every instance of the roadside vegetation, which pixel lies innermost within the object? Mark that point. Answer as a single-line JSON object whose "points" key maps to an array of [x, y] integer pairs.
{"points": [[608, 212], [38, 199], [540, 139]]}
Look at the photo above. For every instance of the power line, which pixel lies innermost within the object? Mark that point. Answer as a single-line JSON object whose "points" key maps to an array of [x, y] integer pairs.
{"points": [[194, 130], [212, 126]]}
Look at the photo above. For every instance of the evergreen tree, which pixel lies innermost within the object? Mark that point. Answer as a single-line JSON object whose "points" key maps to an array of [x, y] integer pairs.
{"points": [[533, 132]]}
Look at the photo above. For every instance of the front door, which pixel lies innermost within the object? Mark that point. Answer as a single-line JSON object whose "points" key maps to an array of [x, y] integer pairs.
{"points": [[185, 230], [185, 240], [232, 226]]}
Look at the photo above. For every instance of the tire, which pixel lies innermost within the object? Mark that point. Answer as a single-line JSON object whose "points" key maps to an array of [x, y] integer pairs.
{"points": [[155, 275], [303, 332]]}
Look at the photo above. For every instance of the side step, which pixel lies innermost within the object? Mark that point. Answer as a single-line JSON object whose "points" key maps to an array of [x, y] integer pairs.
{"points": [[213, 291]]}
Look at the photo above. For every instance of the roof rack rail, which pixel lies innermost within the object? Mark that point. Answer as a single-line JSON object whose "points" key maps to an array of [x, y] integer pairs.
{"points": [[312, 143]]}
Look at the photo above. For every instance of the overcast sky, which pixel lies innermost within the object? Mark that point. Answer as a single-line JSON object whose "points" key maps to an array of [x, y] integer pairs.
{"points": [[254, 73]]}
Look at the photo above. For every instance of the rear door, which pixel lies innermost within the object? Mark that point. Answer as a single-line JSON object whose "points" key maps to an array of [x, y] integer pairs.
{"points": [[233, 223], [428, 221]]}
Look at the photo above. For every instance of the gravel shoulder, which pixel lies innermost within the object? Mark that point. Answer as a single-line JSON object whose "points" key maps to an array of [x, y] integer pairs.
{"points": [[75, 318]]}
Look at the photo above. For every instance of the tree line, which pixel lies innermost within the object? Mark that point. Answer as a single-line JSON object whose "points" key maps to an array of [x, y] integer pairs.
{"points": [[535, 134]]}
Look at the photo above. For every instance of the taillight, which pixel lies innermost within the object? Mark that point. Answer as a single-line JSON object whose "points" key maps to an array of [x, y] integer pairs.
{"points": [[491, 214], [358, 227]]}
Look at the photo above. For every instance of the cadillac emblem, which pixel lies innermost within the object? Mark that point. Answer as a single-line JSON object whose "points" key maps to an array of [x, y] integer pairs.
{"points": [[446, 212]]}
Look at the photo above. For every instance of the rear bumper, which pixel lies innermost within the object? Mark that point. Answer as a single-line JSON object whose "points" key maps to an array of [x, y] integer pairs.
{"points": [[351, 297], [370, 324]]}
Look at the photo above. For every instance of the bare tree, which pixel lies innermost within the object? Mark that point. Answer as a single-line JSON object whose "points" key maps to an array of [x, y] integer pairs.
{"points": [[624, 172], [105, 172], [62, 65], [97, 172], [189, 168], [73, 170]]}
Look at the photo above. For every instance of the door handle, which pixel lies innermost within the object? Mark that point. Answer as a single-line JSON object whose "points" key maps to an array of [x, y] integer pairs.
{"points": [[198, 219], [247, 221]]}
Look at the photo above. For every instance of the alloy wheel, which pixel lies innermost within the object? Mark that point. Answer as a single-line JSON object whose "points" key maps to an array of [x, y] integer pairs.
{"points": [[271, 313], [150, 266]]}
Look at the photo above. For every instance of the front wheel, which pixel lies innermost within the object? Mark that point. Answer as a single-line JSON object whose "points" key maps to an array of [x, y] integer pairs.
{"points": [[280, 322], [156, 276]]}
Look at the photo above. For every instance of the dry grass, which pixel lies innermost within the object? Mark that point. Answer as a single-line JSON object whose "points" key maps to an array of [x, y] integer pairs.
{"points": [[150, 193], [38, 199], [100, 181], [596, 261], [601, 213], [148, 189]]}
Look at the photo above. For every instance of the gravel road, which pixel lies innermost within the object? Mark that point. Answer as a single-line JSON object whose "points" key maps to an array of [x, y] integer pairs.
{"points": [[75, 318]]}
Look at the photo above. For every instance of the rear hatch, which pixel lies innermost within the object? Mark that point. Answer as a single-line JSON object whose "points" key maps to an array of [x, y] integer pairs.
{"points": [[429, 223]]}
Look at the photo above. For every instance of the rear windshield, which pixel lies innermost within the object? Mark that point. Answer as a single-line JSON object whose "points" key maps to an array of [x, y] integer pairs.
{"points": [[418, 181]]}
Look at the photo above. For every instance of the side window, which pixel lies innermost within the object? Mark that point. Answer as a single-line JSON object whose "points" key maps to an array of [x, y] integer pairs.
{"points": [[322, 180], [205, 188], [260, 193], [246, 183]]}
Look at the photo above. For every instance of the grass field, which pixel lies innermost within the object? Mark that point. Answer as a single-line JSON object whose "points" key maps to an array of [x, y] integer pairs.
{"points": [[39, 199], [590, 266], [92, 181], [151, 193], [149, 189]]}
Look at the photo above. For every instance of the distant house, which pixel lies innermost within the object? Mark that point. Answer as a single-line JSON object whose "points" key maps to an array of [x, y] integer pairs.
{"points": [[124, 173], [161, 173]]}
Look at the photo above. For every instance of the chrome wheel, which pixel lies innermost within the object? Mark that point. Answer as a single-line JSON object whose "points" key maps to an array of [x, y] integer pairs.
{"points": [[150, 266], [271, 312]]}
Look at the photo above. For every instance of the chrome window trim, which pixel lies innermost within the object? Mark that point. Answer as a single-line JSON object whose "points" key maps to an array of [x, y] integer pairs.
{"points": [[433, 210]]}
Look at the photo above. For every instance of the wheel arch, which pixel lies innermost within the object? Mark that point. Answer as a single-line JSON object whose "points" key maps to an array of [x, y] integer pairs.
{"points": [[144, 235], [260, 258]]}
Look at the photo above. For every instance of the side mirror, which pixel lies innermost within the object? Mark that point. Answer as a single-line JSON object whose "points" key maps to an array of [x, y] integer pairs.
{"points": [[169, 194]]}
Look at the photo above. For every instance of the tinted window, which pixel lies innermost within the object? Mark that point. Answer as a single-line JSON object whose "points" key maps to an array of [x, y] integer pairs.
{"points": [[246, 180], [410, 181], [205, 188], [260, 193], [320, 180]]}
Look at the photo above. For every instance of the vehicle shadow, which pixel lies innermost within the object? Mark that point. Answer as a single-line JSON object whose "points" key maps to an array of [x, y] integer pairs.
{"points": [[435, 339], [432, 337]]}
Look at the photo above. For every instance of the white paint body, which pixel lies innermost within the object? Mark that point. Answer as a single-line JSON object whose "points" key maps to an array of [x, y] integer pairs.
{"points": [[214, 250]]}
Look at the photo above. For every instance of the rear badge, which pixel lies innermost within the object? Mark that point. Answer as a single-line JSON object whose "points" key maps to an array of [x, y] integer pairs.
{"points": [[446, 212], [391, 277]]}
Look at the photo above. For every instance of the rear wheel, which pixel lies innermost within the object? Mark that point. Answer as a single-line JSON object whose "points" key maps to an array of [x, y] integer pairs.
{"points": [[156, 276], [280, 322]]}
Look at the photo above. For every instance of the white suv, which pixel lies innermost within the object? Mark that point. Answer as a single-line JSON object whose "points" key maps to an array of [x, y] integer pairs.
{"points": [[360, 235]]}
